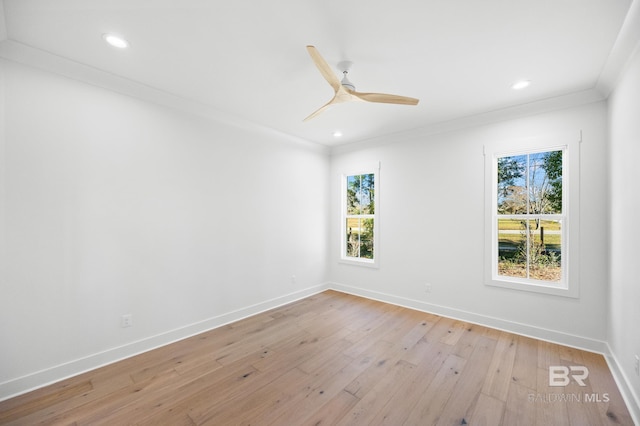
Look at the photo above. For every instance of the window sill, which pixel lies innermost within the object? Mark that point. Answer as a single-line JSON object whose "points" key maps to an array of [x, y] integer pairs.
{"points": [[362, 262], [544, 288]]}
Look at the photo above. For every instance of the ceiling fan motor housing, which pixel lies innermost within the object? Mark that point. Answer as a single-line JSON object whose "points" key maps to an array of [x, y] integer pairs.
{"points": [[345, 67], [346, 83]]}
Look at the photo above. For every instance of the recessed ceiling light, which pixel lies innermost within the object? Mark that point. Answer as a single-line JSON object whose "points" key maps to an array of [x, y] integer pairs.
{"points": [[115, 41], [337, 134], [518, 85]]}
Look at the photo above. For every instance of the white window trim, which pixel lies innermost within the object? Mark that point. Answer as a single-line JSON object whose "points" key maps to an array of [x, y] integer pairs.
{"points": [[371, 263], [571, 209]]}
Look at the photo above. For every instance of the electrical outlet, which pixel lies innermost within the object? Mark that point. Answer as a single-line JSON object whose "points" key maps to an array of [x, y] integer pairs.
{"points": [[427, 288], [126, 321], [637, 365], [293, 279]]}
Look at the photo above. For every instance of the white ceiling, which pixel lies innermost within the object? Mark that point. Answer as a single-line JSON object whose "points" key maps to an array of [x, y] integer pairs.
{"points": [[246, 60]]}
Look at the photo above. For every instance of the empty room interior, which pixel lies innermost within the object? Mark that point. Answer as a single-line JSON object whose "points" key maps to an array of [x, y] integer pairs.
{"points": [[319, 212]]}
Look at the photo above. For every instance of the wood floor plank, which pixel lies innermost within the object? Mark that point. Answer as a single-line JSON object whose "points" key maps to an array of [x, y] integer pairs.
{"points": [[548, 354], [402, 338], [520, 410], [432, 356], [367, 408], [378, 326], [455, 332], [324, 355], [318, 390], [28, 404], [294, 353], [550, 409], [100, 390], [120, 405], [250, 408], [525, 360], [327, 382], [298, 351], [331, 412], [213, 387], [488, 411], [377, 357], [323, 388], [441, 330], [499, 374], [467, 342], [580, 408], [334, 358], [433, 400], [464, 396], [435, 331]]}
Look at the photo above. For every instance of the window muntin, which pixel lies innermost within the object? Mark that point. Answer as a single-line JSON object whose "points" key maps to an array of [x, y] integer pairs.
{"points": [[359, 229]]}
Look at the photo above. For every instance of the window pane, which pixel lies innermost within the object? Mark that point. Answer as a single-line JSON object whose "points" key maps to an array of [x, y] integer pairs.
{"points": [[353, 237], [353, 194], [367, 194], [512, 248], [530, 249], [545, 251], [366, 239], [512, 190], [545, 182]]}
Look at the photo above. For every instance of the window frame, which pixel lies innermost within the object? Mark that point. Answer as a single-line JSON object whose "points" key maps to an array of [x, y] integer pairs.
{"points": [[372, 263], [570, 235]]}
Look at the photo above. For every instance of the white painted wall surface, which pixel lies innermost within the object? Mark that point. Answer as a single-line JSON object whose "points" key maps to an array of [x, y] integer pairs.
{"points": [[432, 220], [624, 210], [112, 205]]}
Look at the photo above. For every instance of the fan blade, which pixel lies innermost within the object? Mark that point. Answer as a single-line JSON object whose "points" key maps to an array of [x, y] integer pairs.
{"points": [[324, 68], [386, 99], [319, 110]]}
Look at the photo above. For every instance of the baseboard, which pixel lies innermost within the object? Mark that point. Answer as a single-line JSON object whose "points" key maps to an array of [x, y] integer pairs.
{"points": [[38, 379], [566, 339], [622, 380]]}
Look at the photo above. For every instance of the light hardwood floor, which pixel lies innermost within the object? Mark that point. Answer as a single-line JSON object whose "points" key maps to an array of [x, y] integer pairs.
{"points": [[332, 359]]}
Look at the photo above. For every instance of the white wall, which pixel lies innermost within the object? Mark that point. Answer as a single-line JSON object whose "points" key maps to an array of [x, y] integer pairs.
{"points": [[432, 229], [624, 202], [111, 205]]}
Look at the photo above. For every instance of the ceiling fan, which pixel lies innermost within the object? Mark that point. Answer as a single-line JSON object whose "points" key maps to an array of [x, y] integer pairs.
{"points": [[345, 91]]}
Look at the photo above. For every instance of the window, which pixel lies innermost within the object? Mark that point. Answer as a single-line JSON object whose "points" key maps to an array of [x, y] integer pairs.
{"points": [[359, 219], [532, 208]]}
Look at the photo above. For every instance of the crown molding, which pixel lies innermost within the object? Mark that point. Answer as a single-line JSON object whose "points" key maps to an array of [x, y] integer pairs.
{"points": [[518, 111], [45, 61], [626, 45]]}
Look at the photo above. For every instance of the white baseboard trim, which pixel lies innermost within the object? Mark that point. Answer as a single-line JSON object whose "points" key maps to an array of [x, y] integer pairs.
{"points": [[565, 339], [622, 380], [39, 379]]}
